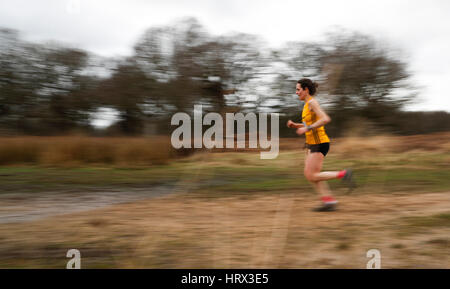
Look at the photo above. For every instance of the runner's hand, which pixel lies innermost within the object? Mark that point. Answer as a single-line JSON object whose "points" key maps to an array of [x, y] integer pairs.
{"points": [[301, 130], [290, 123]]}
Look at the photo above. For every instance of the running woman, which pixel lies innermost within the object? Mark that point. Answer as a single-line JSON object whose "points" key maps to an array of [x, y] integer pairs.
{"points": [[317, 144]]}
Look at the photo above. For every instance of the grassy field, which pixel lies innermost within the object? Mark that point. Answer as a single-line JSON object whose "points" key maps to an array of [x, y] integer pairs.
{"points": [[233, 210], [239, 173]]}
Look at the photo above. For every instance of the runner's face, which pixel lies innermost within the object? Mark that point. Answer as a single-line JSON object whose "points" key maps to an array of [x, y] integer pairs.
{"points": [[300, 92]]}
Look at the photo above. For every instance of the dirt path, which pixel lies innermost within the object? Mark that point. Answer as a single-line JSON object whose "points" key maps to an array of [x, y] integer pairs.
{"points": [[271, 231]]}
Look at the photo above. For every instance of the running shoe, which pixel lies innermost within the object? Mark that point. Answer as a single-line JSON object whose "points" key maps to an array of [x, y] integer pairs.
{"points": [[349, 180], [326, 208]]}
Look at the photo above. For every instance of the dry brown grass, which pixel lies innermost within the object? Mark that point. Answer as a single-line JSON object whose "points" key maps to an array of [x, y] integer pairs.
{"points": [[375, 145], [79, 150]]}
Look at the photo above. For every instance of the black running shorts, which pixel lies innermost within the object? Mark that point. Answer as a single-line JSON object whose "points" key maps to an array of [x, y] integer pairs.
{"points": [[319, 148]]}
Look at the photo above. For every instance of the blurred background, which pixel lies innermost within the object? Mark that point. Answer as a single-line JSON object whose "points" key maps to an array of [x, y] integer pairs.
{"points": [[88, 89]]}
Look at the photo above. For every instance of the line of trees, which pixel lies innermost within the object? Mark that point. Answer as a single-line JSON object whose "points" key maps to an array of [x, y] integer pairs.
{"points": [[49, 89]]}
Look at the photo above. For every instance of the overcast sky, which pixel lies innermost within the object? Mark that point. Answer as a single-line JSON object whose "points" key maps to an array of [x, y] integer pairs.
{"points": [[419, 28]]}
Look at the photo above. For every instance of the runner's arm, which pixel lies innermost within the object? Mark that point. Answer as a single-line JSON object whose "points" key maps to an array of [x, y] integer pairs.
{"points": [[323, 116]]}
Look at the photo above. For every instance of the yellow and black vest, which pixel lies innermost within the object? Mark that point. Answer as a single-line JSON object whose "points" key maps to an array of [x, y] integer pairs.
{"points": [[317, 135]]}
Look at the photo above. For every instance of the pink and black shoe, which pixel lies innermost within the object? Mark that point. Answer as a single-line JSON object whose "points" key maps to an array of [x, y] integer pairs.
{"points": [[329, 204]]}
